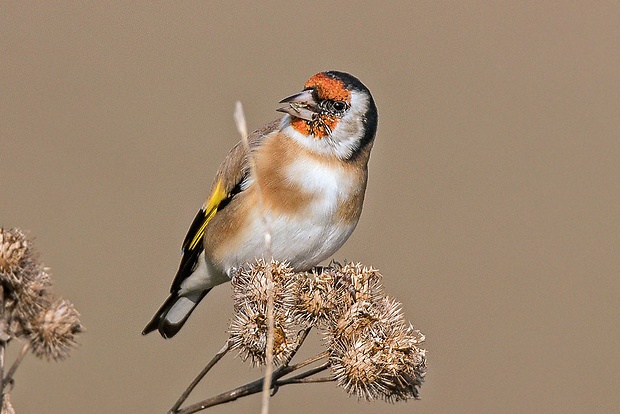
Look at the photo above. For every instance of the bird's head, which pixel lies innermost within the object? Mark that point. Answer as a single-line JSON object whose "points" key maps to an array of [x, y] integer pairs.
{"points": [[334, 114]]}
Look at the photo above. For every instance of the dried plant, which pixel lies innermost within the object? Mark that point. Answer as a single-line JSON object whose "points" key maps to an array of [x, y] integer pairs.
{"points": [[372, 352], [29, 312], [249, 328]]}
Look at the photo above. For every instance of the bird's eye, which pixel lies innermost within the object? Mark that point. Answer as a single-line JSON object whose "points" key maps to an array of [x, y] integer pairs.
{"points": [[334, 107], [339, 106]]}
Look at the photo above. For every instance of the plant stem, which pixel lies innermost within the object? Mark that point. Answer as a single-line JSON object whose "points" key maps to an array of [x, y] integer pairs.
{"points": [[300, 340], [9, 376], [304, 375], [256, 386], [240, 121], [309, 361], [269, 351], [3, 342], [247, 389], [220, 354], [305, 380]]}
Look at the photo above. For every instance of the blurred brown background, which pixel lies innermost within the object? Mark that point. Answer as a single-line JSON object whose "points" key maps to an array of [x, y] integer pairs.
{"points": [[492, 208]]}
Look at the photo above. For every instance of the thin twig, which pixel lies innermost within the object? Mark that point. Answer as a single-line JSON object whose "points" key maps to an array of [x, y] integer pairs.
{"points": [[309, 361], [20, 357], [3, 342], [256, 386], [243, 131], [305, 380], [269, 345], [2, 349], [300, 340], [196, 381], [306, 374]]}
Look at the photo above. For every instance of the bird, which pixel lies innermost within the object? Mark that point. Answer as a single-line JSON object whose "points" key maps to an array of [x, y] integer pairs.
{"points": [[305, 176]]}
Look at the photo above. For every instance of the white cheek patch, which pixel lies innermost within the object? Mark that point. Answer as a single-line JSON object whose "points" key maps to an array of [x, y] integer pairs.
{"points": [[350, 129]]}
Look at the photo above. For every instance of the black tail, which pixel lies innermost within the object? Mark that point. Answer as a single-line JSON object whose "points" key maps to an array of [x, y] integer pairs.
{"points": [[171, 316]]}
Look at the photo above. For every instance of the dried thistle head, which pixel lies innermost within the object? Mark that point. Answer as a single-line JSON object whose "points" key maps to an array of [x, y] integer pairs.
{"points": [[248, 334], [25, 305], [391, 369], [324, 297], [25, 282], [13, 248], [251, 285], [382, 315], [363, 282], [7, 407], [319, 299], [53, 332], [248, 328], [360, 316], [15, 256], [374, 353]]}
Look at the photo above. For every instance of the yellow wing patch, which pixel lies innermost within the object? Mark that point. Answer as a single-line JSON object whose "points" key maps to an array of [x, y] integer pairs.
{"points": [[210, 208]]}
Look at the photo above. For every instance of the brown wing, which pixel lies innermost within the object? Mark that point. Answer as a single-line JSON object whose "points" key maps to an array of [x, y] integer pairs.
{"points": [[227, 183]]}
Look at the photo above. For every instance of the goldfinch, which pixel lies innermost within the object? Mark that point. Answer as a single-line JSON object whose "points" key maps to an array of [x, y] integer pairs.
{"points": [[310, 168]]}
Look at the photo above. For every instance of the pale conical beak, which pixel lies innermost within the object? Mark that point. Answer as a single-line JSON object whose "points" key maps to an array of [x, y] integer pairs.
{"points": [[301, 105]]}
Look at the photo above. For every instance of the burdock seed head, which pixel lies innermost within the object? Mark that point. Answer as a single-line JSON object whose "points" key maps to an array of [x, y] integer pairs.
{"points": [[251, 285], [390, 370], [319, 299], [248, 334], [7, 407], [248, 328], [363, 282], [25, 282], [15, 255], [324, 297], [374, 353], [53, 331]]}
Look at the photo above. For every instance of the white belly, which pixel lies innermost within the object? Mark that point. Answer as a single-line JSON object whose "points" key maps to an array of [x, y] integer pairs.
{"points": [[302, 243], [304, 240]]}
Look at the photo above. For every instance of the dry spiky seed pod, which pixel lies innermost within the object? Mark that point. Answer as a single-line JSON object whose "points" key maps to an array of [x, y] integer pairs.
{"points": [[53, 331], [14, 256], [250, 285], [391, 369], [374, 353], [13, 247], [363, 282], [26, 304], [7, 407], [25, 282], [319, 299], [29, 310], [324, 296], [381, 315], [248, 328], [248, 334]]}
